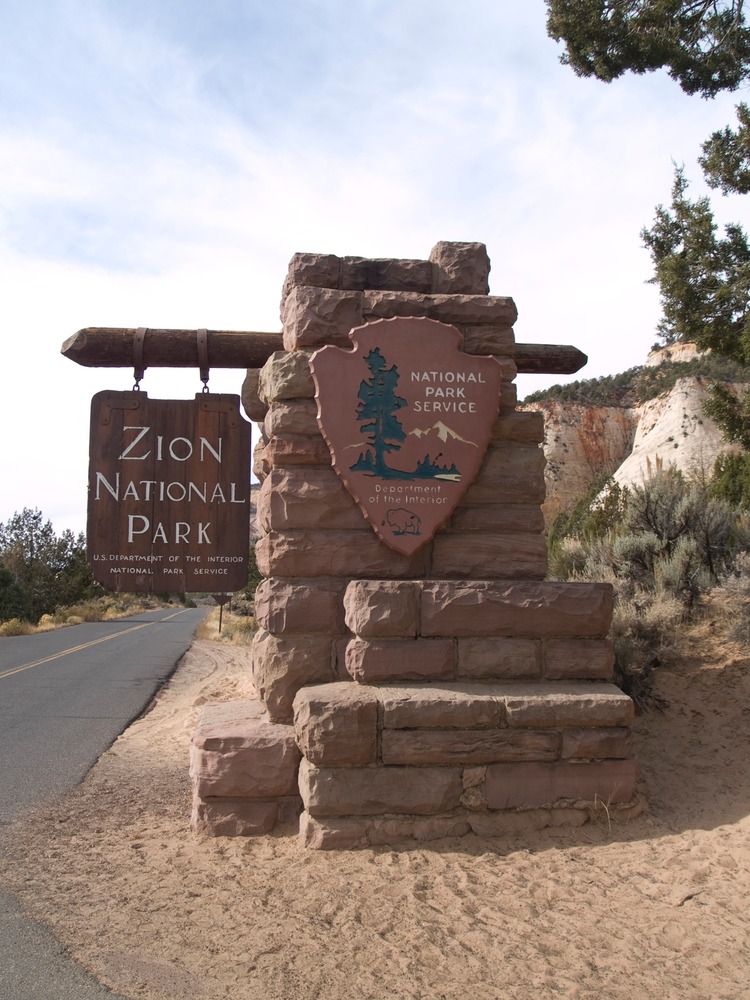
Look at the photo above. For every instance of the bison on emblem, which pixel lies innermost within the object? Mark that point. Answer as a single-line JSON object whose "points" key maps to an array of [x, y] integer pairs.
{"points": [[403, 522]]}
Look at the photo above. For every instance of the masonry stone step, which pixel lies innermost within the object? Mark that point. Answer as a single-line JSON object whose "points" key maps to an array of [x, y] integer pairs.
{"points": [[243, 769], [343, 724]]}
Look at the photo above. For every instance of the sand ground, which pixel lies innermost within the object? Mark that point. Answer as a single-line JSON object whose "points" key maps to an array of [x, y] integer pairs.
{"points": [[657, 907]]}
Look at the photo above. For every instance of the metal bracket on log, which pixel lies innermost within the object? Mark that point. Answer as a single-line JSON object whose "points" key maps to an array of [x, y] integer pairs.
{"points": [[112, 347]]}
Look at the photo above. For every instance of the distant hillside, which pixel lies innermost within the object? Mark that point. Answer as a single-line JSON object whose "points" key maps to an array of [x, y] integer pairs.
{"points": [[629, 425], [638, 385]]}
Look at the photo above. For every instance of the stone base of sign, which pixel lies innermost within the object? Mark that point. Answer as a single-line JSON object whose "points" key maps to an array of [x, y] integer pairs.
{"points": [[448, 692]]}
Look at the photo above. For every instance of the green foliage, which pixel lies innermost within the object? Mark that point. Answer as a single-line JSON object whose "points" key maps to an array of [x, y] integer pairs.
{"points": [[13, 601], [254, 575], [731, 411], [731, 479], [49, 571], [726, 156], [703, 44], [662, 545], [704, 280], [703, 277]]}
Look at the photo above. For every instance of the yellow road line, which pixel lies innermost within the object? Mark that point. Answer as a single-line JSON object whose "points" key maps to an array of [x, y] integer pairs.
{"points": [[84, 645]]}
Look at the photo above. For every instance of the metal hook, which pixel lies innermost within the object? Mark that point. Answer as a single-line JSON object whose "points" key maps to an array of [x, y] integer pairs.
{"points": [[203, 357], [138, 366]]}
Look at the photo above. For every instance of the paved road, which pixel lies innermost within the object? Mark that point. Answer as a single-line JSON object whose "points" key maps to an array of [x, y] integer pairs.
{"points": [[65, 696]]}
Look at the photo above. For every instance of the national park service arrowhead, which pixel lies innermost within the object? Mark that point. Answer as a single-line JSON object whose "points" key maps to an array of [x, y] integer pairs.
{"points": [[407, 417]]}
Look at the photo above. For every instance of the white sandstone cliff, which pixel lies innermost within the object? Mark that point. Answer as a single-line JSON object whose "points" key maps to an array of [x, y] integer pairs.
{"points": [[581, 442]]}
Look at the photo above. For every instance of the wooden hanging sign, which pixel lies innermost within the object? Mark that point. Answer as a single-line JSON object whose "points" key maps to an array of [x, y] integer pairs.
{"points": [[407, 417], [169, 493]]}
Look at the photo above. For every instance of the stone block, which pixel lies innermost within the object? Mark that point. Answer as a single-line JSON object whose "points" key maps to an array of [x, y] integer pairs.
{"points": [[292, 418], [491, 339], [386, 273], [281, 666], [510, 473], [356, 273], [303, 607], [454, 705], [530, 785], [261, 468], [233, 817], [288, 451], [367, 791], [286, 375], [480, 310], [499, 659], [521, 427], [467, 747], [252, 404], [514, 824], [263, 766], [336, 725], [386, 608], [508, 518], [578, 659], [568, 705], [319, 270], [315, 317], [223, 725], [461, 268], [483, 554], [508, 397], [292, 499], [593, 744], [342, 833], [335, 553], [378, 661], [485, 609]]}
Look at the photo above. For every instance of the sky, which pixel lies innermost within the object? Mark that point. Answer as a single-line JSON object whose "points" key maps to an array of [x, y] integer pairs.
{"points": [[161, 161]]}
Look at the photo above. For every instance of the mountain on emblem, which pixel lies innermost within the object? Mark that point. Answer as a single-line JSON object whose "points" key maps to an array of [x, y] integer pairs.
{"points": [[407, 417]]}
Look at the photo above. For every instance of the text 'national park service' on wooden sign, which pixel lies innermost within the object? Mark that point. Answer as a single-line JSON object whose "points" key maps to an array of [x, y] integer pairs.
{"points": [[169, 487], [407, 417]]}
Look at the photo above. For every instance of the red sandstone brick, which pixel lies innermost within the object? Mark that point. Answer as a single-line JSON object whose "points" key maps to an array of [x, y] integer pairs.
{"points": [[313, 607], [578, 659], [499, 659], [385, 608], [292, 499], [335, 553], [483, 609], [509, 518], [378, 661], [468, 747], [315, 317], [596, 743], [480, 554], [367, 791], [510, 473], [529, 785], [281, 666], [336, 725]]}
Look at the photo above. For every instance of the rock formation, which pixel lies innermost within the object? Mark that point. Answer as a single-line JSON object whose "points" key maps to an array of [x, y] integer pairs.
{"points": [[628, 442]]}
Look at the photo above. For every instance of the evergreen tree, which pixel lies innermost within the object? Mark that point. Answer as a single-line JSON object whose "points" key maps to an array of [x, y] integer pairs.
{"points": [[703, 277], [703, 44], [377, 408]]}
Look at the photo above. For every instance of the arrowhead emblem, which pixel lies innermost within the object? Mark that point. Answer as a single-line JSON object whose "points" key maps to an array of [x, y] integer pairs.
{"points": [[407, 417]]}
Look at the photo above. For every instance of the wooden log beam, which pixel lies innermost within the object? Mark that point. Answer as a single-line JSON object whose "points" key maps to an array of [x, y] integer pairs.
{"points": [[112, 347], [549, 359]]}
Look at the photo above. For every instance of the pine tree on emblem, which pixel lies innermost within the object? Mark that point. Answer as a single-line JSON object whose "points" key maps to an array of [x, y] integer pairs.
{"points": [[376, 410]]}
